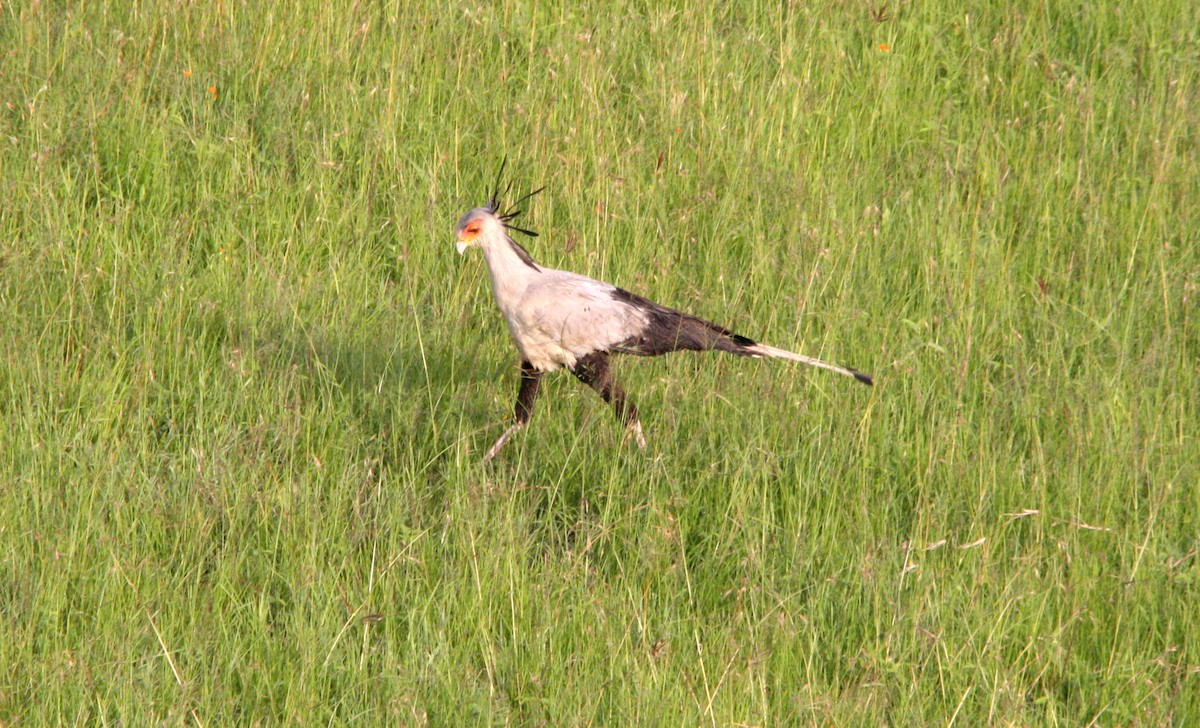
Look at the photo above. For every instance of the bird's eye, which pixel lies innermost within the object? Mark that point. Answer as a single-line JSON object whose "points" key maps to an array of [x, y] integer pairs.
{"points": [[473, 228]]}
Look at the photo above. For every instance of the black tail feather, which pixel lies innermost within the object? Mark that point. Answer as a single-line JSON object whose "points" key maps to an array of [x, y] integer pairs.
{"points": [[669, 330]]}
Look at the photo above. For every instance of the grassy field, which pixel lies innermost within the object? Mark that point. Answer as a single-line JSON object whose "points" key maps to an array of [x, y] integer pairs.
{"points": [[245, 382]]}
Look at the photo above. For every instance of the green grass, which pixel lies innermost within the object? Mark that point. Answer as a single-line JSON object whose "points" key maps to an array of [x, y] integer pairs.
{"points": [[245, 382]]}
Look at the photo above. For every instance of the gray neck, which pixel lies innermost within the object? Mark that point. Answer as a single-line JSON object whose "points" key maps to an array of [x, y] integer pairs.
{"points": [[511, 269]]}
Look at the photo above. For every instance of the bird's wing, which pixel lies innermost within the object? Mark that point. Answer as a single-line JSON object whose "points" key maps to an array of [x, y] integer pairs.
{"points": [[578, 314]]}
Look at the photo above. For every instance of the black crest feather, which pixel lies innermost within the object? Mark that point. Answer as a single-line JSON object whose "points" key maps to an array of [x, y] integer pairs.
{"points": [[494, 203]]}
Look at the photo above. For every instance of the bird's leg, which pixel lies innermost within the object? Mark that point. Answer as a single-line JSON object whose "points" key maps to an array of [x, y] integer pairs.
{"points": [[593, 370], [526, 396]]}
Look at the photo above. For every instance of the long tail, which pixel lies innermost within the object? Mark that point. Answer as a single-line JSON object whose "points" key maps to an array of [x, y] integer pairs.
{"points": [[770, 351], [668, 330]]}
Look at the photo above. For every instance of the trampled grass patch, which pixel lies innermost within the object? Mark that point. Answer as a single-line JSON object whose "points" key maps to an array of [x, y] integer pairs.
{"points": [[246, 383]]}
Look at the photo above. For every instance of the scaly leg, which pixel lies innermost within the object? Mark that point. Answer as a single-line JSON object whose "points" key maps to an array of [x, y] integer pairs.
{"points": [[526, 396], [593, 370]]}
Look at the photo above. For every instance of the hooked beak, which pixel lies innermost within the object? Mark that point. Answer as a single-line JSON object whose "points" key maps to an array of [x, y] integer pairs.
{"points": [[462, 247]]}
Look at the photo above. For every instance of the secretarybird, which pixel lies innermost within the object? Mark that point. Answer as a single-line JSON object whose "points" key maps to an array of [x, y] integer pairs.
{"points": [[562, 319]]}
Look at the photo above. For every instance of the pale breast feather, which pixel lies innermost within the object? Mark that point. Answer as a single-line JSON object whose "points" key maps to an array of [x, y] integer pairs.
{"points": [[578, 314]]}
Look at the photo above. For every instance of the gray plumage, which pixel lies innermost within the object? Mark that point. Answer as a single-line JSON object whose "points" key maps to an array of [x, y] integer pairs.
{"points": [[561, 319]]}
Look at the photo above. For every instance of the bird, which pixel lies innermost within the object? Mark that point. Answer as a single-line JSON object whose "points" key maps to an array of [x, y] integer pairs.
{"points": [[559, 319]]}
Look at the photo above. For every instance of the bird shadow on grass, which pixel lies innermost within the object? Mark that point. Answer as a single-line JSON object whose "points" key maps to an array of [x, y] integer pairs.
{"points": [[409, 394], [403, 394]]}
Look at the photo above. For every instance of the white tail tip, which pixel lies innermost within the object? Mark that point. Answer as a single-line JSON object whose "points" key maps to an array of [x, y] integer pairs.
{"points": [[770, 351]]}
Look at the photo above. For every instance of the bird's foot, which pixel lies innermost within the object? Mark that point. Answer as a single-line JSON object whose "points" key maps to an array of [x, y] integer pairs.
{"points": [[638, 436], [500, 441]]}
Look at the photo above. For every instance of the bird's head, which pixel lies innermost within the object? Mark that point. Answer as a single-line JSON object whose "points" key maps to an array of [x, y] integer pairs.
{"points": [[487, 223], [477, 227]]}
